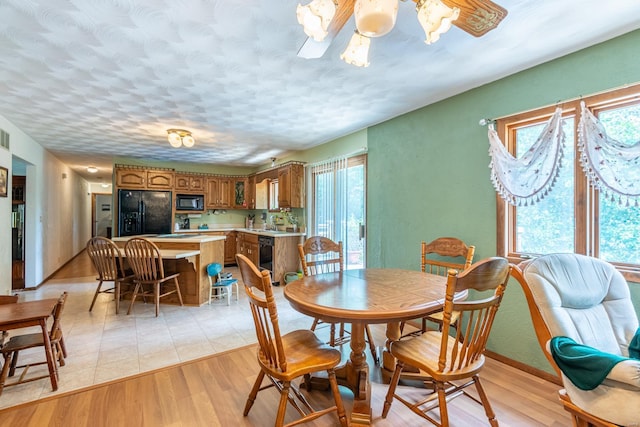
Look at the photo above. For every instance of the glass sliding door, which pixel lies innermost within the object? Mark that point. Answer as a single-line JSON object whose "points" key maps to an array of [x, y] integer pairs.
{"points": [[338, 205]]}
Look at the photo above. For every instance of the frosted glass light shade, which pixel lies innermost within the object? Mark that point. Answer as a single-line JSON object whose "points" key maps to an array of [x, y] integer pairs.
{"points": [[436, 18], [375, 18], [315, 18], [357, 52], [188, 141], [175, 140]]}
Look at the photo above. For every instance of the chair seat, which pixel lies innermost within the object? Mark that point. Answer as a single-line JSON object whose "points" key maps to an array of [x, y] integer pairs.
{"points": [[225, 282], [305, 353], [423, 352], [23, 342]]}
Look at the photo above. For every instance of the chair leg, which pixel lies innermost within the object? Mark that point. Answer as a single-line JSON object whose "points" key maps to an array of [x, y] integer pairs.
{"points": [[332, 339], [393, 383], [372, 346], [133, 297], [336, 395], [253, 393], [95, 295], [442, 403], [14, 363], [314, 324], [491, 416], [282, 407], [116, 294], [5, 370], [228, 291], [236, 285], [175, 280], [156, 296]]}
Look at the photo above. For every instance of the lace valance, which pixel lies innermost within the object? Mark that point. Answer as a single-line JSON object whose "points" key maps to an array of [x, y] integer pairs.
{"points": [[611, 166], [526, 180]]}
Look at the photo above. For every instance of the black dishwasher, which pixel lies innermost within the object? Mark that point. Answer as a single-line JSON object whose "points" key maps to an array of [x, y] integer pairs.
{"points": [[266, 247]]}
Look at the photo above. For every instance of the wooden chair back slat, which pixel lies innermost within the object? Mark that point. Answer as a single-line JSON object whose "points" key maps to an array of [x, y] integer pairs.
{"points": [[144, 259], [264, 312], [469, 339], [106, 258], [320, 255], [432, 260]]}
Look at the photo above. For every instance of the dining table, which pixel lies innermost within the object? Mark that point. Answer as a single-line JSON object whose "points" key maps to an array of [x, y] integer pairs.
{"points": [[362, 297], [27, 314]]}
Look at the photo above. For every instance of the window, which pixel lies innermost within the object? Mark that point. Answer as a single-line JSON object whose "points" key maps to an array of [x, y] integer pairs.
{"points": [[574, 217], [337, 205]]}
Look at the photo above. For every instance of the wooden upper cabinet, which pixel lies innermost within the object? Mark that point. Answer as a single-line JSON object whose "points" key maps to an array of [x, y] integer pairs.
{"points": [[218, 193], [250, 192], [160, 180], [239, 196], [290, 183], [131, 178], [190, 183], [144, 179]]}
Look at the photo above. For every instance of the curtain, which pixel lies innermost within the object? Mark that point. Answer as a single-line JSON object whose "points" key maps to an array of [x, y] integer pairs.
{"points": [[526, 180], [328, 204], [611, 166]]}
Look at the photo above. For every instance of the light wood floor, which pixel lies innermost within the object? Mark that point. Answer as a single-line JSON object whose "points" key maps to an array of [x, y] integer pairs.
{"points": [[211, 391]]}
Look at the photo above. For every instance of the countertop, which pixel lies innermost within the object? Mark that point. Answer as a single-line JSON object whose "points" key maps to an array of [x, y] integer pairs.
{"points": [[272, 233], [175, 237]]}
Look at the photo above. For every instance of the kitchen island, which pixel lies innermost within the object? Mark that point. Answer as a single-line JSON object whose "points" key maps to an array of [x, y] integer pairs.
{"points": [[194, 283], [277, 253]]}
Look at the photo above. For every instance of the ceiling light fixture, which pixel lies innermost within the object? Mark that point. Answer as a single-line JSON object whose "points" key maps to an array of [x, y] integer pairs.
{"points": [[375, 18], [92, 169], [357, 52], [179, 137], [315, 18]]}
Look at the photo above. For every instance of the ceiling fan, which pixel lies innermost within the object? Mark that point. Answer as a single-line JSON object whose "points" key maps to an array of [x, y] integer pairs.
{"points": [[476, 17]]}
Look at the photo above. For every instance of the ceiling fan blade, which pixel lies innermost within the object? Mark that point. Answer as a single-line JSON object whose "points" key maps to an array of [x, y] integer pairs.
{"points": [[311, 49], [477, 17]]}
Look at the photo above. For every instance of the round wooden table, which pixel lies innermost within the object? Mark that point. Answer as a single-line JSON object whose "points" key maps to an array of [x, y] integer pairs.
{"points": [[362, 297]]}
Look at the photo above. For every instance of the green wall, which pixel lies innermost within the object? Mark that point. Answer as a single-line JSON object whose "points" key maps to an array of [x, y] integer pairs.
{"points": [[432, 178]]}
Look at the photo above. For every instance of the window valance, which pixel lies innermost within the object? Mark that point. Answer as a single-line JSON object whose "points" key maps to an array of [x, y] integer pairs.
{"points": [[611, 166], [526, 180]]}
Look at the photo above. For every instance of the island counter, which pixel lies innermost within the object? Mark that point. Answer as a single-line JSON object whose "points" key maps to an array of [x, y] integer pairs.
{"points": [[194, 283]]}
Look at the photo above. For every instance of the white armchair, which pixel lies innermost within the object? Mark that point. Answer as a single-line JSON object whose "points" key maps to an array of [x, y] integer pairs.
{"points": [[588, 300]]}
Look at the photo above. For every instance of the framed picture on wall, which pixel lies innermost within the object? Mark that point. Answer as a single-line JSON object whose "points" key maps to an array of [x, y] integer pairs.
{"points": [[4, 181]]}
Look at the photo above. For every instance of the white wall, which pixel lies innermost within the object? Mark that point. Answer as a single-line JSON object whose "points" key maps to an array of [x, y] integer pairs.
{"points": [[58, 206]]}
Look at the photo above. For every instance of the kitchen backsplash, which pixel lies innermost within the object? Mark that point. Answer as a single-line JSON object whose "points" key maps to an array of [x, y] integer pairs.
{"points": [[236, 219]]}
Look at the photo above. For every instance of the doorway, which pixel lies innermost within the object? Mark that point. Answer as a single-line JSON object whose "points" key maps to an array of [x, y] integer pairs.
{"points": [[19, 184], [338, 205], [101, 214]]}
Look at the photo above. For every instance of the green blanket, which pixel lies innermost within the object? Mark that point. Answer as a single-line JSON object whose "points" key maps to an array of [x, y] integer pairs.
{"points": [[586, 366]]}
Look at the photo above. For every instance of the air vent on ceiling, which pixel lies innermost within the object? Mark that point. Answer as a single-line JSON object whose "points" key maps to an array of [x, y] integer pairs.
{"points": [[4, 139]]}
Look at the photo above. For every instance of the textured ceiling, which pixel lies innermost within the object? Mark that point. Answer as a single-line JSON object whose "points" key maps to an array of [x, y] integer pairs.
{"points": [[94, 79]]}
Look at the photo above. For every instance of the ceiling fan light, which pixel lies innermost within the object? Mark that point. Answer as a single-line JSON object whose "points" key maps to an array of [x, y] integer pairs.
{"points": [[435, 18], [375, 18], [315, 18], [357, 52], [188, 141], [175, 140]]}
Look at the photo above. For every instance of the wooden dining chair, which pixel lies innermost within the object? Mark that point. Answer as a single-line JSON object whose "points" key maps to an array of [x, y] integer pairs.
{"points": [[283, 358], [454, 353], [107, 260], [17, 343], [144, 258], [6, 299], [438, 256], [322, 255]]}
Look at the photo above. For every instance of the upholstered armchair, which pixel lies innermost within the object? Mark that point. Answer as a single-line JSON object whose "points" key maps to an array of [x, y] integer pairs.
{"points": [[587, 300]]}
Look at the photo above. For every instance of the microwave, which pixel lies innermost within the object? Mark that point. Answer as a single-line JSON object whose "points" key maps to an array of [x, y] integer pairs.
{"points": [[189, 202]]}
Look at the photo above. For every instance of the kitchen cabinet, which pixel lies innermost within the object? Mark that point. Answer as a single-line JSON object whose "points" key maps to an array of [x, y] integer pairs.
{"points": [[290, 183], [190, 183], [239, 197], [144, 179], [218, 193], [247, 245], [250, 192], [230, 247]]}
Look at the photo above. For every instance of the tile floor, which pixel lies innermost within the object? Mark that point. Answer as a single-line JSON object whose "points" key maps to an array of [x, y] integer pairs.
{"points": [[103, 346]]}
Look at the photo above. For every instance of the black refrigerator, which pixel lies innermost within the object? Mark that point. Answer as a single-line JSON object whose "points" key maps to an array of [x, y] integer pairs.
{"points": [[144, 212]]}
